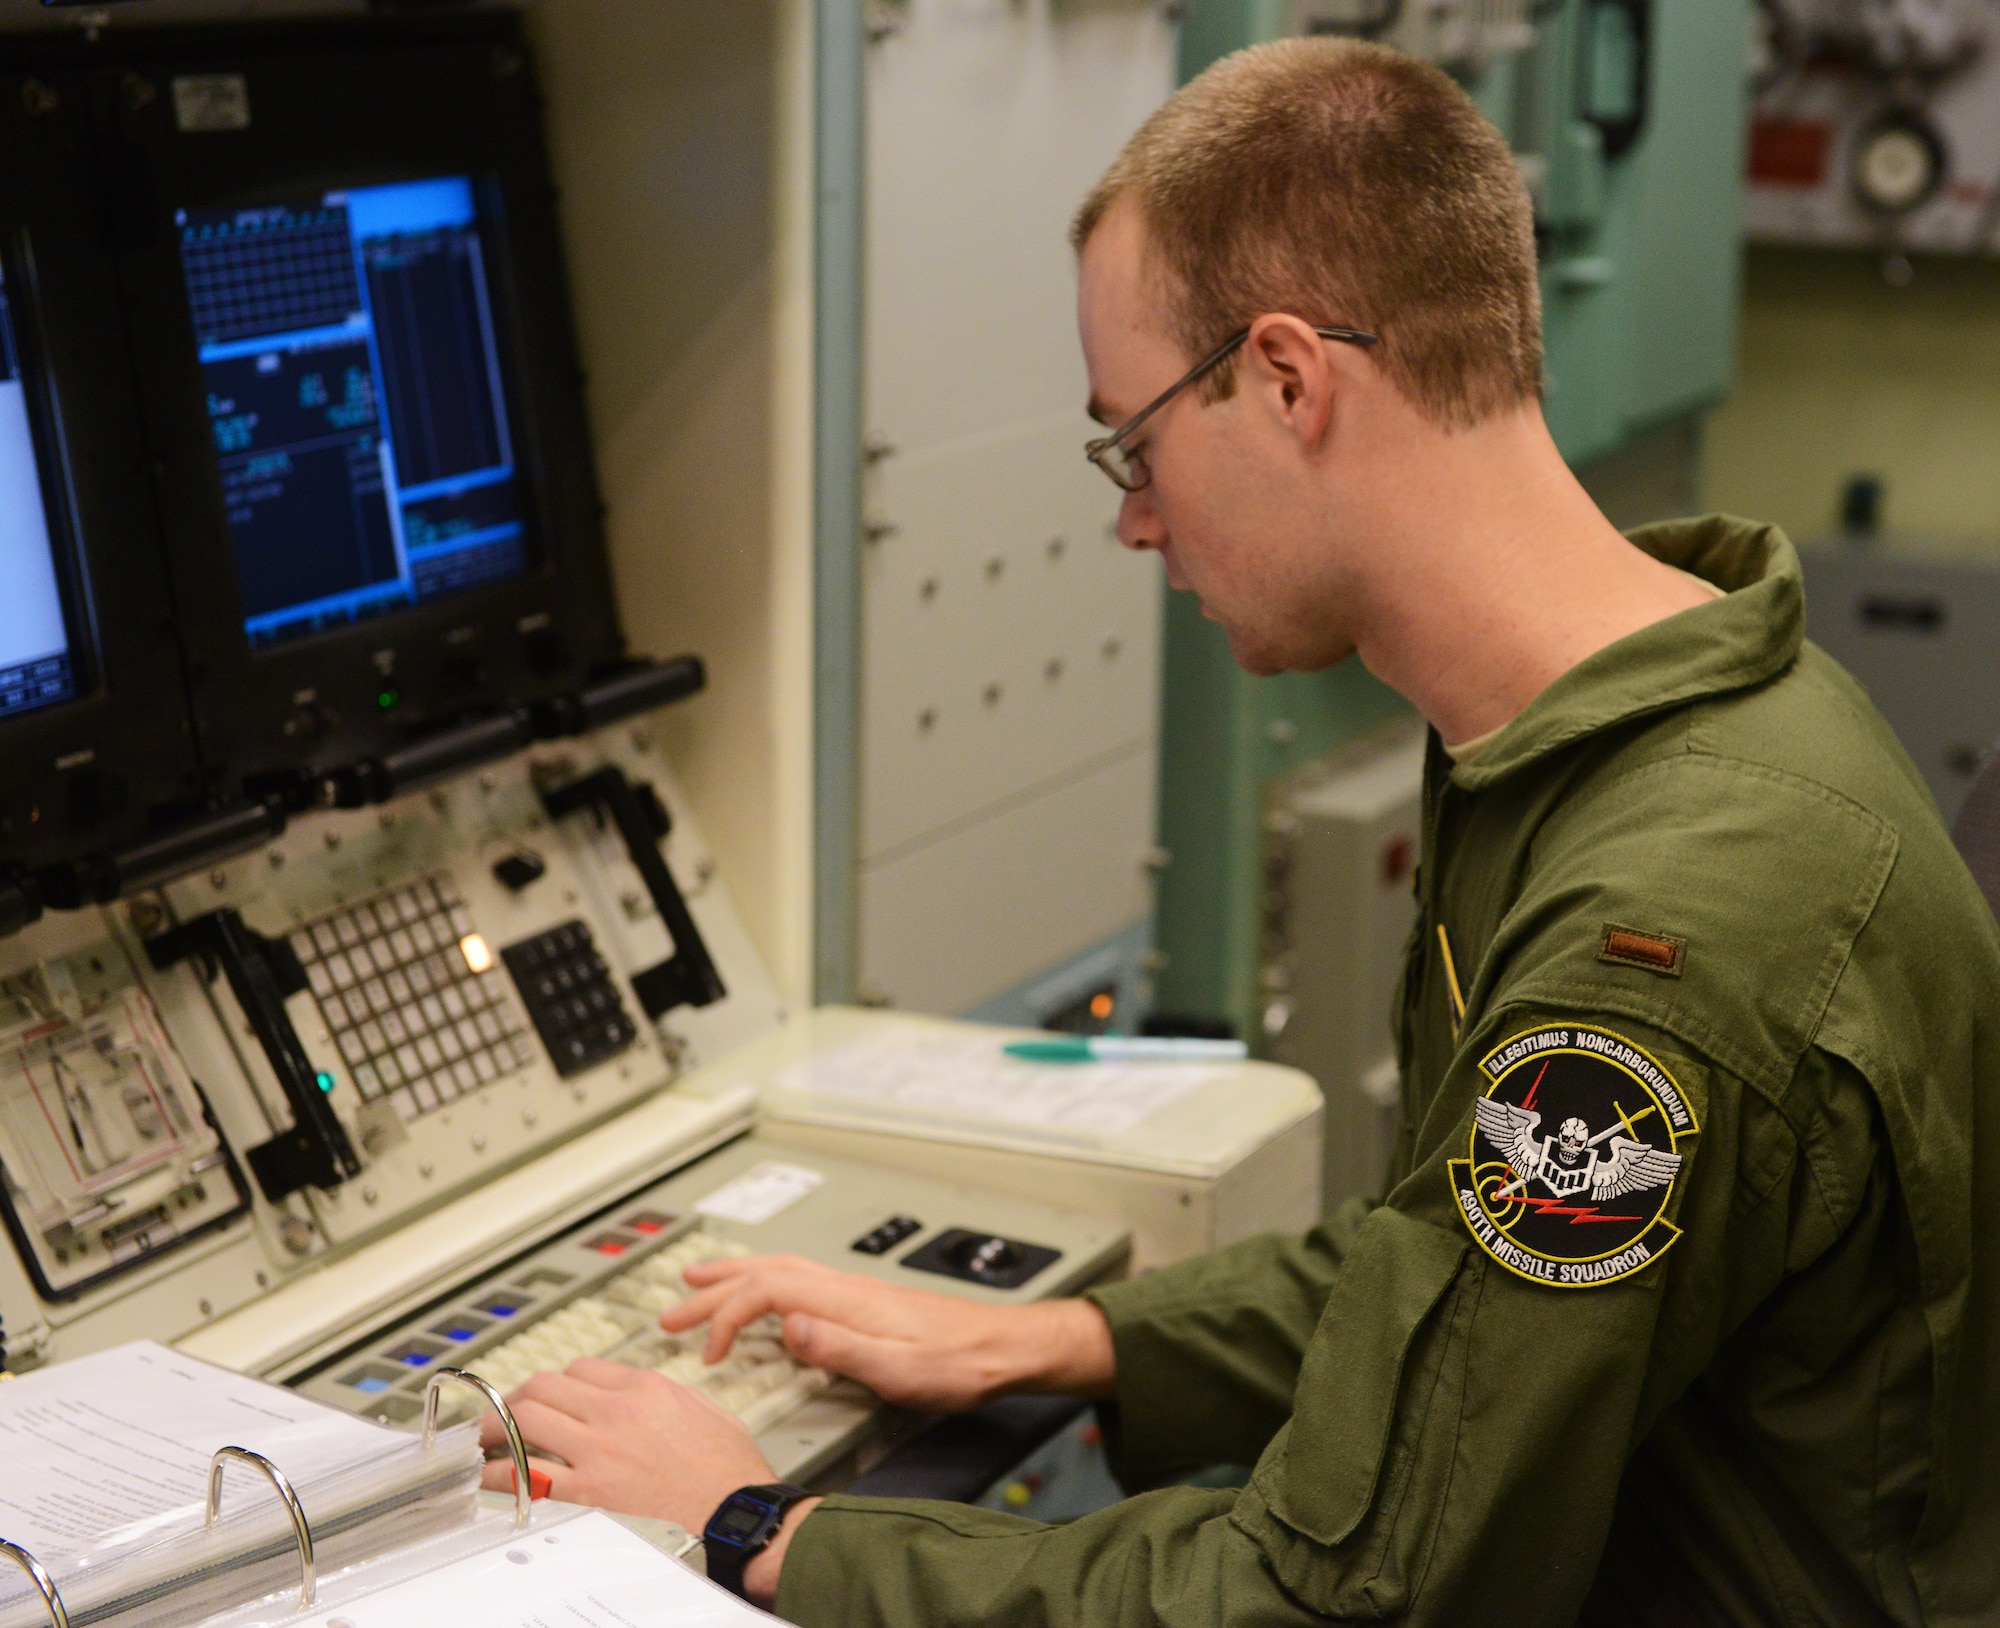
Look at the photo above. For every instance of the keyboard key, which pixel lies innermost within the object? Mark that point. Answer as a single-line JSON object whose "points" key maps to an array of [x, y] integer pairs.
{"points": [[466, 1075], [427, 1049], [324, 939], [392, 1028], [340, 971], [454, 1003], [410, 1061], [398, 987], [390, 1070], [320, 979], [449, 1043], [345, 930]]}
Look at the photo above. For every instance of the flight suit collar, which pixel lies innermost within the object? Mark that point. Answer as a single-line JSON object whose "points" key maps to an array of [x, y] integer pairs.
{"points": [[1749, 635]]}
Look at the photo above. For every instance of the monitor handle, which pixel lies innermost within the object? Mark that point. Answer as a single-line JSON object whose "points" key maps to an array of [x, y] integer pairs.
{"points": [[262, 972], [689, 978]]}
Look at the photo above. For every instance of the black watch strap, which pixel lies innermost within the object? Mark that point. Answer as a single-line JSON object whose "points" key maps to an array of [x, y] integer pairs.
{"points": [[742, 1528]]}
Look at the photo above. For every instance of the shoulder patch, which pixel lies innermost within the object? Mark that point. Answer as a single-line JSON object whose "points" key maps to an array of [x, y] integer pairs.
{"points": [[1573, 1155]]}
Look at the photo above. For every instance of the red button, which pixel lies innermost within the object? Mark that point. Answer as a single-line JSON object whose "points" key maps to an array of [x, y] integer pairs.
{"points": [[539, 1483]]}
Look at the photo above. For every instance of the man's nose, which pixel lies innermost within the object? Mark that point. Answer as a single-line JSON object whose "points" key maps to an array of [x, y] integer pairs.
{"points": [[1139, 524]]}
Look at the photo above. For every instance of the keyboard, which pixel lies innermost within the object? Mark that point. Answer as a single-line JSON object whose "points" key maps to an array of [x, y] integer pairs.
{"points": [[760, 1382], [414, 999]]}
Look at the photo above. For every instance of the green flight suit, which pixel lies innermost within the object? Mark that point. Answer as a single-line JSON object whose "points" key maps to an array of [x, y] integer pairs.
{"points": [[1792, 1416]]}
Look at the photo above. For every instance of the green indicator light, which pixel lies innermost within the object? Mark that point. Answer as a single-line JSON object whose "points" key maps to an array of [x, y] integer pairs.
{"points": [[326, 1082], [388, 700]]}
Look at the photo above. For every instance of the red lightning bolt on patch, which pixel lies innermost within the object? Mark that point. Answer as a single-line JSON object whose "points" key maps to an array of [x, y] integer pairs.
{"points": [[1578, 1216], [1528, 1101]]}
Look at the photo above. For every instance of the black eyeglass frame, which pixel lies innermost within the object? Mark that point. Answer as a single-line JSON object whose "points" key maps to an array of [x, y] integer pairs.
{"points": [[1099, 450]]}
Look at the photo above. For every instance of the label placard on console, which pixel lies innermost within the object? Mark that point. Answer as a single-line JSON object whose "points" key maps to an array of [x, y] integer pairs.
{"points": [[760, 1192]]}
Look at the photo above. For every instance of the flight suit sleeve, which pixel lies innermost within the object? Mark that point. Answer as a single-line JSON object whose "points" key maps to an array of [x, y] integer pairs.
{"points": [[1208, 1350], [1455, 1451]]}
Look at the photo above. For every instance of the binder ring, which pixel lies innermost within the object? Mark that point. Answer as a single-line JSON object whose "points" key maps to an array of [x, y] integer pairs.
{"points": [[517, 1444], [44, 1584], [276, 1476]]}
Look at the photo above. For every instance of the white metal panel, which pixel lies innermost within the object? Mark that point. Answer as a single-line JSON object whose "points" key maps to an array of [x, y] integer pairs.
{"points": [[1009, 637], [955, 921], [1010, 649]]}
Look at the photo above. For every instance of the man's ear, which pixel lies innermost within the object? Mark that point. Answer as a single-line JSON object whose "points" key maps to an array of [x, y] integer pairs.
{"points": [[1289, 363]]}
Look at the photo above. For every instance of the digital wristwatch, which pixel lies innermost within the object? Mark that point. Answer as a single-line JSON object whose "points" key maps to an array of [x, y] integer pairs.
{"points": [[742, 1528]]}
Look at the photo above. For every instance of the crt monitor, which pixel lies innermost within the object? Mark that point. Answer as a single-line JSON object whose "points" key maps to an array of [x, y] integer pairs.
{"points": [[36, 669], [354, 390], [354, 339], [96, 745]]}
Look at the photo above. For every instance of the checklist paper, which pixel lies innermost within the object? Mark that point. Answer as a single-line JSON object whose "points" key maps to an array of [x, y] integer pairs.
{"points": [[571, 1569]]}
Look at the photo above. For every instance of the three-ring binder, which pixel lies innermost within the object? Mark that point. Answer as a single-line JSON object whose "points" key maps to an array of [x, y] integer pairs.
{"points": [[44, 1584], [517, 1444], [300, 1529]]}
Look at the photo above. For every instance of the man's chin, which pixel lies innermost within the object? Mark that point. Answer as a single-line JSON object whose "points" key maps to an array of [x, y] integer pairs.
{"points": [[1258, 660]]}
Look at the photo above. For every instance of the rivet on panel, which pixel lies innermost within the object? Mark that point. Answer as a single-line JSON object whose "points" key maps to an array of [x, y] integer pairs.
{"points": [[1112, 646], [332, 839], [1052, 669], [992, 693], [927, 720], [995, 564], [1056, 545], [927, 590]]}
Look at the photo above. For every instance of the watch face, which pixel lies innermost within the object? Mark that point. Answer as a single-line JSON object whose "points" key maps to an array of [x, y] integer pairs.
{"points": [[739, 1521]]}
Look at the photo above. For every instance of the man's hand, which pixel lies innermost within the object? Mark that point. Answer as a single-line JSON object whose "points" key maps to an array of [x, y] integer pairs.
{"points": [[939, 1353], [635, 1442], [629, 1440]]}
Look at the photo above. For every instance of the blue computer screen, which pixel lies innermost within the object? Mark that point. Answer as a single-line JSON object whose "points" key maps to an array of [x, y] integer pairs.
{"points": [[360, 429], [35, 668]]}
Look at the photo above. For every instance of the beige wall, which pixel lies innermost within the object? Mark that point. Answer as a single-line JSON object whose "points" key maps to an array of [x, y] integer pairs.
{"points": [[681, 145], [1840, 373]]}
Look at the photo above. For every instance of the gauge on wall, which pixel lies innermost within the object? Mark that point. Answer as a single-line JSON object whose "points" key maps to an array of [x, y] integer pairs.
{"points": [[1898, 162]]}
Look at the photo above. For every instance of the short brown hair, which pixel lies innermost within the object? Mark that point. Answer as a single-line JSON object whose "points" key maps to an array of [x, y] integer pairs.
{"points": [[1350, 185]]}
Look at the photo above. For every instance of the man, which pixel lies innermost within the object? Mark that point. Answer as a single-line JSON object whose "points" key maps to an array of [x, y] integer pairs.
{"points": [[1673, 1312]]}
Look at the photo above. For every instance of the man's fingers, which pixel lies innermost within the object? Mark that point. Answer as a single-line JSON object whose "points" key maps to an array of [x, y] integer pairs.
{"points": [[705, 1272], [882, 1365], [610, 1376], [696, 1309], [750, 1302], [550, 1429]]}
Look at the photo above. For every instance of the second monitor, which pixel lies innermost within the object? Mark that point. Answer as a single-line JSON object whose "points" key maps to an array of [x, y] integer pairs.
{"points": [[355, 395], [353, 332]]}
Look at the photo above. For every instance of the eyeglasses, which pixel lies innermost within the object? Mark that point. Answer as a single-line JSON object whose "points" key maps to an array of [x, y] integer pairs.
{"points": [[1127, 465]]}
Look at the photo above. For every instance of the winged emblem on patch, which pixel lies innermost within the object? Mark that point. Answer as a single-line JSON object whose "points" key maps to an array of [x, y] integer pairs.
{"points": [[1573, 1160]]}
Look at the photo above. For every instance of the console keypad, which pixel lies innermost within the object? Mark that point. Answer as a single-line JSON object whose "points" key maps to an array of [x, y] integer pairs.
{"points": [[570, 997]]}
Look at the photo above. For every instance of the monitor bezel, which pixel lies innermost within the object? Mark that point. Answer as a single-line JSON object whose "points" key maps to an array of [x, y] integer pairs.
{"points": [[299, 708], [116, 761]]}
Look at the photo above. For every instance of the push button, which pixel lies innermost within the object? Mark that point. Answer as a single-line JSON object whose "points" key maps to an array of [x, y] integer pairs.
{"points": [[887, 1236]]}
